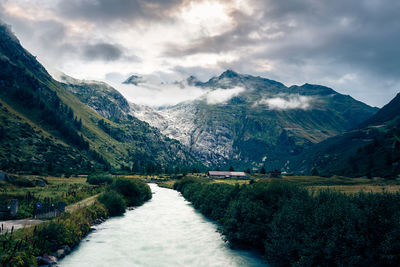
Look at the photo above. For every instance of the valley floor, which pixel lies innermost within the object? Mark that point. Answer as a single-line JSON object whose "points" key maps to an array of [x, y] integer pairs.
{"points": [[316, 183]]}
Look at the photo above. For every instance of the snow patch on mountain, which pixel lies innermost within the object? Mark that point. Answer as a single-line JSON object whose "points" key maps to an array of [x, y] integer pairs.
{"points": [[212, 145], [175, 122]]}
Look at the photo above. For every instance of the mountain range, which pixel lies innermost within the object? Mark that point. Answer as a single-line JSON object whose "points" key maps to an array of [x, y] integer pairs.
{"points": [[248, 121], [66, 125]]}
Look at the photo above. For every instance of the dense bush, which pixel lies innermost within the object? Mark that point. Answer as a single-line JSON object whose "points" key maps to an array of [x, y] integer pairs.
{"points": [[114, 203], [124, 192], [23, 182], [293, 227], [99, 179], [134, 191]]}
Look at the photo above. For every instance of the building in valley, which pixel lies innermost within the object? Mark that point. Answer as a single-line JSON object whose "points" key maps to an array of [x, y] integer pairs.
{"points": [[224, 175]]}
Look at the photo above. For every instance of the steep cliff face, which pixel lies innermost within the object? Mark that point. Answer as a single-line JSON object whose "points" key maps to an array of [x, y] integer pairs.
{"points": [[253, 121]]}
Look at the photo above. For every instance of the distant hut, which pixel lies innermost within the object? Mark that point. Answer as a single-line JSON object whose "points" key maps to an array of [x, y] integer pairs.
{"points": [[275, 174], [224, 175]]}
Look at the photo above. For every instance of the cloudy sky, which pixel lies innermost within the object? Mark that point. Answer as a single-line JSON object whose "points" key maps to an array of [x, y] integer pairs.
{"points": [[352, 46]]}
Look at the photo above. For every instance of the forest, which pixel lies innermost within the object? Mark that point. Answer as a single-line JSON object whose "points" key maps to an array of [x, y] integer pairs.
{"points": [[292, 226]]}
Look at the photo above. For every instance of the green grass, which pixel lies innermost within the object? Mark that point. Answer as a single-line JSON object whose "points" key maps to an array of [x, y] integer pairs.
{"points": [[69, 190], [56, 187], [336, 183], [312, 183]]}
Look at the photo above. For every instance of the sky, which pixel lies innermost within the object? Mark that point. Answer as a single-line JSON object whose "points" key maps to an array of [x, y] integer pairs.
{"points": [[351, 46]]}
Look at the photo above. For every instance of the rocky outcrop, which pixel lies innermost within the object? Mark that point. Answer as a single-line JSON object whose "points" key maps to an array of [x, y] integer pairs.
{"points": [[133, 79], [99, 96], [52, 260]]}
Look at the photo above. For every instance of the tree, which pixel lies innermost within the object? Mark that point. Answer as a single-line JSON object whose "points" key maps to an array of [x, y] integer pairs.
{"points": [[263, 171], [231, 169], [248, 171], [314, 172]]}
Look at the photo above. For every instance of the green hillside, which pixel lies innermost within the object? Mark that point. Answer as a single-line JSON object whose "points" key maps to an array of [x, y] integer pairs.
{"points": [[371, 149], [71, 131]]}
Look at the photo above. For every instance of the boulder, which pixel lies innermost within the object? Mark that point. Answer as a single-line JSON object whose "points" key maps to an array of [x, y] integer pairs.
{"points": [[59, 254], [47, 260], [66, 249]]}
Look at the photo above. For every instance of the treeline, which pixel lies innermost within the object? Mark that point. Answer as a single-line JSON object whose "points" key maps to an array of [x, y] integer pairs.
{"points": [[295, 228], [43, 105], [42, 102], [114, 132]]}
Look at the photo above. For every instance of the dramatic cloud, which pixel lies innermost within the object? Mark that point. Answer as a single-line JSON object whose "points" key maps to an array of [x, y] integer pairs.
{"points": [[105, 11], [286, 102], [349, 45]]}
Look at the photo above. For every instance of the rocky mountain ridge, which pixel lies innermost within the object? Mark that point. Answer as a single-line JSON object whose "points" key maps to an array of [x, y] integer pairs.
{"points": [[258, 125]]}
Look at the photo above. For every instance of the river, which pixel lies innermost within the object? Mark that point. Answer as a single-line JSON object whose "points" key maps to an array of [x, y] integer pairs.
{"points": [[165, 231]]}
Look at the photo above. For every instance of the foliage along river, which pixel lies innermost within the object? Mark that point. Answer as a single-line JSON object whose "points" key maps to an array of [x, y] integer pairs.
{"points": [[165, 231]]}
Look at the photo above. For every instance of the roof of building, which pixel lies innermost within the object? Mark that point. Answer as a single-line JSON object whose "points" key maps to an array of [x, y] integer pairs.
{"points": [[221, 173]]}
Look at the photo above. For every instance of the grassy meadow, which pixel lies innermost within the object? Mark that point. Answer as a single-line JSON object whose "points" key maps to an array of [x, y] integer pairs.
{"points": [[50, 190], [311, 183]]}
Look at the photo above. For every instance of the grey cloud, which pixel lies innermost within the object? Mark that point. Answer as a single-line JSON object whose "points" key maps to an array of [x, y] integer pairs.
{"points": [[107, 52], [102, 51], [231, 40], [105, 11], [304, 40], [322, 40]]}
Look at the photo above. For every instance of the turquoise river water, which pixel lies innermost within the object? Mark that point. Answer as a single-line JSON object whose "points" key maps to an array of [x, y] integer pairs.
{"points": [[165, 231]]}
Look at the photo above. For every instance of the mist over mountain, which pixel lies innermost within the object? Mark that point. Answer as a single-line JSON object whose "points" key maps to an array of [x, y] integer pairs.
{"points": [[252, 121]]}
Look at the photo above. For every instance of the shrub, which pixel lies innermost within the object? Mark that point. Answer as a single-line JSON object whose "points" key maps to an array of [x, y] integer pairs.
{"points": [[23, 182], [135, 192], [98, 179], [114, 203], [20, 248]]}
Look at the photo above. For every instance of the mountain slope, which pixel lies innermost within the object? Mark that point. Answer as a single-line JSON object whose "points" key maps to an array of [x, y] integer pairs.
{"points": [[251, 121], [70, 130], [143, 143], [371, 149]]}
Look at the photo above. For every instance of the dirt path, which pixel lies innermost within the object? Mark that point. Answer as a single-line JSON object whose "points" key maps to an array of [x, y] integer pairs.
{"points": [[83, 203], [7, 225]]}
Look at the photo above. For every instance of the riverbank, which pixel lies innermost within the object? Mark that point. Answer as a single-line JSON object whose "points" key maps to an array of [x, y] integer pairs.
{"points": [[165, 231], [20, 248], [293, 226], [51, 240]]}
